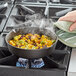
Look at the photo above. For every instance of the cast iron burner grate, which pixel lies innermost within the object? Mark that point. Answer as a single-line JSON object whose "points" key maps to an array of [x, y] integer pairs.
{"points": [[24, 13]]}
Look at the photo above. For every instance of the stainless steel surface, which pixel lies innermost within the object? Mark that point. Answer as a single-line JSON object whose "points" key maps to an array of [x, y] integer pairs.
{"points": [[72, 65]]}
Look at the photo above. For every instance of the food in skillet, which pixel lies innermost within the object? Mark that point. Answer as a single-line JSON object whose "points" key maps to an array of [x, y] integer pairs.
{"points": [[31, 41]]}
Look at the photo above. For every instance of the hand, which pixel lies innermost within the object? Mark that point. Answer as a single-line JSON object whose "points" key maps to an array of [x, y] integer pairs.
{"points": [[71, 16]]}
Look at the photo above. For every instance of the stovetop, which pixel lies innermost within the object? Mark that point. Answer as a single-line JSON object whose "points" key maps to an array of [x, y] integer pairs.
{"points": [[57, 62], [15, 14]]}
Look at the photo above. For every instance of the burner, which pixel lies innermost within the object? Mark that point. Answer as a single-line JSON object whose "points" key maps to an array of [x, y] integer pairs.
{"points": [[22, 63], [35, 63]]}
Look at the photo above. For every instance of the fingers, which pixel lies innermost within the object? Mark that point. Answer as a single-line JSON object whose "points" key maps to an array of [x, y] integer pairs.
{"points": [[72, 27], [61, 18], [70, 16], [67, 18]]}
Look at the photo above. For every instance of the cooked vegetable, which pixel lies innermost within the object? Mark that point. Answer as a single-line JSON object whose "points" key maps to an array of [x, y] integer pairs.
{"points": [[31, 41]]}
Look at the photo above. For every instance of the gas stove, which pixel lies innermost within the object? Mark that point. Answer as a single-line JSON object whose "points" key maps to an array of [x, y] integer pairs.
{"points": [[57, 63]]}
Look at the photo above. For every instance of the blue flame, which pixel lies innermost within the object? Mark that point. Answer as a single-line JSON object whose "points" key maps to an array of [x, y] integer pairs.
{"points": [[35, 63]]}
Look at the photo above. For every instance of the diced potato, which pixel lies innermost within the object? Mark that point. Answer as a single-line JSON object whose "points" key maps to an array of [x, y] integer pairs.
{"points": [[34, 47], [30, 46], [31, 41], [42, 42], [16, 38], [12, 42], [22, 47]]}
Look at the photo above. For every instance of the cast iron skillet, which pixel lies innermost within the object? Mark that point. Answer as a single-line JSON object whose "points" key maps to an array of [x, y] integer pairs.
{"points": [[25, 53]]}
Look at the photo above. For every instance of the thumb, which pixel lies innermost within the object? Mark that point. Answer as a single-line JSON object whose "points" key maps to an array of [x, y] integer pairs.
{"points": [[72, 27]]}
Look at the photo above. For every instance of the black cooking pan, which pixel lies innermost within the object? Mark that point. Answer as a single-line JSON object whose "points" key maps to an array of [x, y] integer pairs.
{"points": [[26, 53]]}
